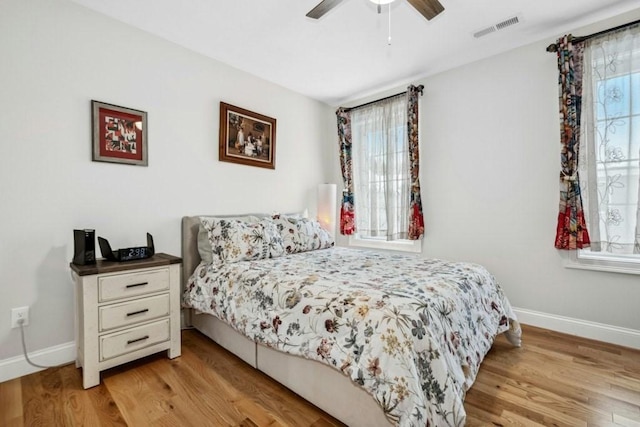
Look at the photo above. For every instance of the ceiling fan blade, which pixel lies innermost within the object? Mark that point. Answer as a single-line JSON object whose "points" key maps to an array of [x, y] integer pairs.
{"points": [[323, 7], [427, 8]]}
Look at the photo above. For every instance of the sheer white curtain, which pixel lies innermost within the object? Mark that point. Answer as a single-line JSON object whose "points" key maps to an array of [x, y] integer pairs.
{"points": [[610, 163], [381, 168]]}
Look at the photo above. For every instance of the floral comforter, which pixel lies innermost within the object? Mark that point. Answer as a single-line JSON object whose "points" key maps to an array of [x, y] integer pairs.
{"points": [[410, 331]]}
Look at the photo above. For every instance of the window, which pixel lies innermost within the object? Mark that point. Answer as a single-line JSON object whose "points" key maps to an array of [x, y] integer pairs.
{"points": [[381, 175], [610, 151]]}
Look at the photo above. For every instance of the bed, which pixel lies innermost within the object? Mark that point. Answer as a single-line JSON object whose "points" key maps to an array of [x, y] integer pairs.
{"points": [[371, 338]]}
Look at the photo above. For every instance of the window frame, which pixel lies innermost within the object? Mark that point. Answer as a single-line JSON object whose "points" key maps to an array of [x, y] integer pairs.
{"points": [[400, 245], [584, 259], [380, 243], [604, 260]]}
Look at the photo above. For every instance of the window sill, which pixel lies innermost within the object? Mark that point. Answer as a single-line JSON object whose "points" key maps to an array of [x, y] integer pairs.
{"points": [[595, 263], [411, 246]]}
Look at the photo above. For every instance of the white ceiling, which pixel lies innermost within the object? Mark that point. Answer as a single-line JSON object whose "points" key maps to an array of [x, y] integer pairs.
{"points": [[345, 55]]}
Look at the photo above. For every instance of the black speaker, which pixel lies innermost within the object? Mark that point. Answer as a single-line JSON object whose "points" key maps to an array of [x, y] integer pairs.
{"points": [[84, 247]]}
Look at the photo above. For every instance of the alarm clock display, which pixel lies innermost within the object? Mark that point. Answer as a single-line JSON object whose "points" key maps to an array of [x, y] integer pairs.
{"points": [[133, 253], [127, 254]]}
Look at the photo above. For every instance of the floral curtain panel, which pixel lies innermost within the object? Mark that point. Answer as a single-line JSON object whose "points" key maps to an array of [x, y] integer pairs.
{"points": [[610, 147], [571, 231], [347, 211], [416, 219]]}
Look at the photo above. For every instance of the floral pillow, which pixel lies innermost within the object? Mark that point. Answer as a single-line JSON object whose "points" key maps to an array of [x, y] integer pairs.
{"points": [[302, 234], [204, 246], [232, 240]]}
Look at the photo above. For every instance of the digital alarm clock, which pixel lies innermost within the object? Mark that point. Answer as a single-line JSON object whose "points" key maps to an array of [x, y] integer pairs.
{"points": [[127, 254]]}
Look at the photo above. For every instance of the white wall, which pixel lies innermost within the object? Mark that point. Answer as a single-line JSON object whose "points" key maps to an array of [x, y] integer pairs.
{"points": [[55, 58], [490, 161]]}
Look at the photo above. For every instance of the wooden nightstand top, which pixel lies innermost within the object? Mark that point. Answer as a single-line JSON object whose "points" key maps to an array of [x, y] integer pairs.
{"points": [[104, 266]]}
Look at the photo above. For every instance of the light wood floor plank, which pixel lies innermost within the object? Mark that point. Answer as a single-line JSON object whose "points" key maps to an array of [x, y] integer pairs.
{"points": [[11, 403], [105, 407], [553, 380], [263, 392], [78, 405]]}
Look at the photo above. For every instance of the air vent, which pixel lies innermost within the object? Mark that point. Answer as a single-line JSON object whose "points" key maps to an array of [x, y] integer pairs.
{"points": [[507, 23], [484, 32], [499, 26]]}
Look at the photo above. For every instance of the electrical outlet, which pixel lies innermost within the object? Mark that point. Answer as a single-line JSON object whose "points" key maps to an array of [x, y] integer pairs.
{"points": [[17, 314]]}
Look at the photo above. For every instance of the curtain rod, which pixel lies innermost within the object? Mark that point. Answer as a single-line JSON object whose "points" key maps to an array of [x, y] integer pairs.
{"points": [[553, 47], [383, 99]]}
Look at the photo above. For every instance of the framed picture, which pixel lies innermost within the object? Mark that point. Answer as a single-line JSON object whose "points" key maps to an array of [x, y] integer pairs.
{"points": [[119, 134], [246, 137]]}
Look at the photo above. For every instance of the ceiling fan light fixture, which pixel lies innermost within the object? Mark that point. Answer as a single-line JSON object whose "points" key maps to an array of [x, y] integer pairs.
{"points": [[427, 8]]}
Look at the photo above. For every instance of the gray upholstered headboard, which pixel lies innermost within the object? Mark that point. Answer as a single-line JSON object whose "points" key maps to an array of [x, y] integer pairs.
{"points": [[190, 254]]}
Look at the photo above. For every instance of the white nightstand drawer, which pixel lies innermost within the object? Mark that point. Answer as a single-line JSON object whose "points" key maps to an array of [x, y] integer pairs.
{"points": [[133, 339], [132, 284], [132, 312]]}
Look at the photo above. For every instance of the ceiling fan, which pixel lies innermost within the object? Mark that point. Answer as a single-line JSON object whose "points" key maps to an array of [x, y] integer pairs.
{"points": [[427, 8]]}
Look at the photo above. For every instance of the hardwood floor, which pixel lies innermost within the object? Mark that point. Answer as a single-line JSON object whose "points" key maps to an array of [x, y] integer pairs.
{"points": [[556, 380], [553, 380]]}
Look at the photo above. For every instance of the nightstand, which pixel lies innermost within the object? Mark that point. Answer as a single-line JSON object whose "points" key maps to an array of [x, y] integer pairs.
{"points": [[125, 311]]}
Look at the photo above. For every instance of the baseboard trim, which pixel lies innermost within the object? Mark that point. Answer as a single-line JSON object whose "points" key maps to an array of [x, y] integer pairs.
{"points": [[18, 366], [581, 328]]}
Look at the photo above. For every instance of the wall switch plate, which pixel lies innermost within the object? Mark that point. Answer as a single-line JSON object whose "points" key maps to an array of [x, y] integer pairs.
{"points": [[17, 314]]}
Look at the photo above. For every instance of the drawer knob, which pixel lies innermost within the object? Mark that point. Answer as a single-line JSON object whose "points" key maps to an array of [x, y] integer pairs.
{"points": [[137, 312], [146, 337], [134, 285]]}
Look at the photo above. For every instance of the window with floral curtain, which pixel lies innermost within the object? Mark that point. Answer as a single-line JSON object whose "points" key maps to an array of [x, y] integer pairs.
{"points": [[379, 158], [610, 144]]}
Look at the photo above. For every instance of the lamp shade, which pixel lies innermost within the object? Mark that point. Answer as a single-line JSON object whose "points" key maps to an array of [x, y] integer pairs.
{"points": [[327, 207]]}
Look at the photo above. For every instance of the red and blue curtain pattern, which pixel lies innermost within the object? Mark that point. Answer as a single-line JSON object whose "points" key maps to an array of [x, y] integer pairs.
{"points": [[347, 210], [571, 232], [416, 219]]}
